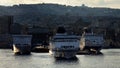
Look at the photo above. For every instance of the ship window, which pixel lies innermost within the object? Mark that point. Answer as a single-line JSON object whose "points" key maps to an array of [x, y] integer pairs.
{"points": [[18, 44], [25, 44], [65, 40], [65, 47]]}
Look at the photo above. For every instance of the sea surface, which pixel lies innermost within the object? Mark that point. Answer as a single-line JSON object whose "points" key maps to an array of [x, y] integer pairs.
{"points": [[110, 58]]}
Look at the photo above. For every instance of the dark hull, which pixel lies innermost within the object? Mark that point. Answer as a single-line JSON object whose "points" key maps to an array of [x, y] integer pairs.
{"points": [[67, 54], [98, 48], [18, 49]]}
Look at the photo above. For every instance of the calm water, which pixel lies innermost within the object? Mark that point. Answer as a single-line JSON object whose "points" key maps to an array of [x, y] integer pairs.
{"points": [[109, 59]]}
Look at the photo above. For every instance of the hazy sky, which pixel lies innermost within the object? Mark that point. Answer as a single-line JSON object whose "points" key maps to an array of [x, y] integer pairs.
{"points": [[91, 3]]}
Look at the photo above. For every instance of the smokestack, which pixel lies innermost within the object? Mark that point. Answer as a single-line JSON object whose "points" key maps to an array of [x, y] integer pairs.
{"points": [[61, 30]]}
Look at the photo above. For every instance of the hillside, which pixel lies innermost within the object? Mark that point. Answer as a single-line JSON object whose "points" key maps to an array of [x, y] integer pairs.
{"points": [[38, 13]]}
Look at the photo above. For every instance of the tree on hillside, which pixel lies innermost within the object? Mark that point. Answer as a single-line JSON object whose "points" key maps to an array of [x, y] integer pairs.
{"points": [[80, 24]]}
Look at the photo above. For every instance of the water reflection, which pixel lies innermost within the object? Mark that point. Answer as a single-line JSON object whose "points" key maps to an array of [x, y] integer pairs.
{"points": [[74, 60], [108, 59], [98, 54]]}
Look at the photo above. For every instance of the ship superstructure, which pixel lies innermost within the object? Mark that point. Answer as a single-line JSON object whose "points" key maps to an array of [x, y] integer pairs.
{"points": [[64, 45]]}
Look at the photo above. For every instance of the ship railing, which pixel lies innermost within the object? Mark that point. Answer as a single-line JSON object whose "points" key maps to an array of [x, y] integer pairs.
{"points": [[62, 49]]}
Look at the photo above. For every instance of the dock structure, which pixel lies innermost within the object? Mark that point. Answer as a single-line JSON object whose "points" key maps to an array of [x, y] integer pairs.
{"points": [[5, 37], [5, 23], [40, 36]]}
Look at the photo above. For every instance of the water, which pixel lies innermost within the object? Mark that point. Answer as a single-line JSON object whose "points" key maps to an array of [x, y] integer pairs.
{"points": [[109, 59]]}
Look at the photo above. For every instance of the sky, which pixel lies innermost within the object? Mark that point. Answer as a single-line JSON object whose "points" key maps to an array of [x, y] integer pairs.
{"points": [[90, 3]]}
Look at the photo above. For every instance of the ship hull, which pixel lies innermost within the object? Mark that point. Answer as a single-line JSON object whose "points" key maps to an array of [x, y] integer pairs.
{"points": [[67, 54], [98, 48], [18, 49]]}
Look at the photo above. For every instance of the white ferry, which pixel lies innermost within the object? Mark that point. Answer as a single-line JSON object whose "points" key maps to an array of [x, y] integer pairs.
{"points": [[22, 44], [63, 45], [91, 42]]}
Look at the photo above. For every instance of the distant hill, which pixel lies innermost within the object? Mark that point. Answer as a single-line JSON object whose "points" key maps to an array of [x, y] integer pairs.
{"points": [[53, 13]]}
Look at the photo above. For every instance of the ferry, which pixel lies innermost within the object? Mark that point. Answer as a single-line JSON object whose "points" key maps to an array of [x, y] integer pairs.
{"points": [[63, 45], [22, 44], [91, 42]]}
